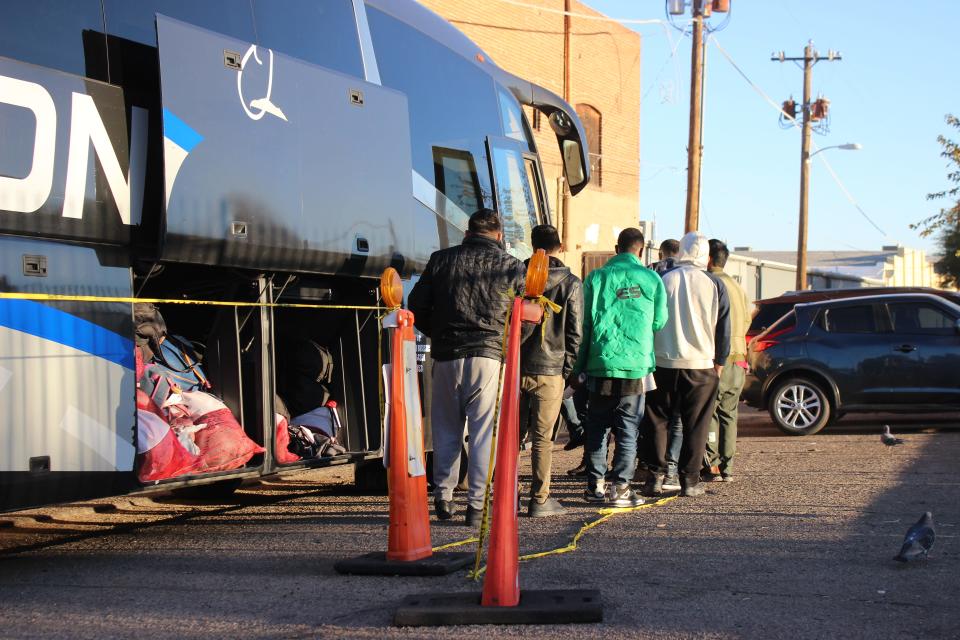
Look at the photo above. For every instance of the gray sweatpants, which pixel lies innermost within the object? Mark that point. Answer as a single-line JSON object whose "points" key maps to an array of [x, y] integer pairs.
{"points": [[464, 395]]}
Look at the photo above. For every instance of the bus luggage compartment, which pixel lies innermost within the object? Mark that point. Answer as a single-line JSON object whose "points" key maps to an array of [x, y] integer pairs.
{"points": [[252, 354]]}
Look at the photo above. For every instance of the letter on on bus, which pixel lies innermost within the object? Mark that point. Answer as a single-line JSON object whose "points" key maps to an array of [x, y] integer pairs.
{"points": [[86, 127], [26, 195]]}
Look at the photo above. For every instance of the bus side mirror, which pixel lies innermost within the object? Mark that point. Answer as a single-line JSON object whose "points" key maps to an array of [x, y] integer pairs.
{"points": [[573, 162]]}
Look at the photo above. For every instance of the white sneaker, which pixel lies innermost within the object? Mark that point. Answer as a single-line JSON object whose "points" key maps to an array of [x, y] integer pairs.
{"points": [[599, 494], [671, 482], [624, 496]]}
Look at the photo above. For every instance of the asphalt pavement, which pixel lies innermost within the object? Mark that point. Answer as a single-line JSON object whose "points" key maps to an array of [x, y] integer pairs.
{"points": [[801, 545]]}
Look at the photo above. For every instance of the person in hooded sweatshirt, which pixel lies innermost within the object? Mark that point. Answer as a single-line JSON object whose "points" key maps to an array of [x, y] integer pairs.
{"points": [[691, 350], [669, 249], [546, 360]]}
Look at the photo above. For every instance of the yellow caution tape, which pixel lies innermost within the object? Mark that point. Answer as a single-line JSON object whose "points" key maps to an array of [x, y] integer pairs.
{"points": [[49, 297], [547, 305], [455, 544], [605, 514]]}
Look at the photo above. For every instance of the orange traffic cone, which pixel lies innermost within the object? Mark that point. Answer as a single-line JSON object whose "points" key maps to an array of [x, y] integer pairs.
{"points": [[408, 538], [409, 535], [501, 584]]}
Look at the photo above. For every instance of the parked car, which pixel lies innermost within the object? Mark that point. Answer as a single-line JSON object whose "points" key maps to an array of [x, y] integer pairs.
{"points": [[770, 310], [898, 352]]}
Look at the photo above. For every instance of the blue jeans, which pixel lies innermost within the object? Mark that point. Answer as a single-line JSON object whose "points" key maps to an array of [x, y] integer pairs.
{"points": [[674, 442], [621, 414]]}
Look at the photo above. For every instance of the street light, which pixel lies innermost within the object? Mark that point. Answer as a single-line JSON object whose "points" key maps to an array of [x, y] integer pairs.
{"points": [[850, 146], [804, 199]]}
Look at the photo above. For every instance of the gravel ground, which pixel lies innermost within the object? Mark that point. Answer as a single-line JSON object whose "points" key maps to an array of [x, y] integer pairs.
{"points": [[800, 546]]}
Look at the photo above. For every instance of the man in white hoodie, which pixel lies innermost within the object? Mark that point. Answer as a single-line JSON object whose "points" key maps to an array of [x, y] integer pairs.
{"points": [[690, 351]]}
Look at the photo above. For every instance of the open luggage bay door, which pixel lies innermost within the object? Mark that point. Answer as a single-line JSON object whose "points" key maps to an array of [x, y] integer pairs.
{"points": [[272, 163]]}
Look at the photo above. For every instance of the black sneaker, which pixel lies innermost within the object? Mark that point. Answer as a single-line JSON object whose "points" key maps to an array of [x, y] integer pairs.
{"points": [[654, 485], [576, 440], [473, 517], [693, 490], [671, 482], [444, 509], [596, 494], [549, 507], [727, 477], [710, 474]]}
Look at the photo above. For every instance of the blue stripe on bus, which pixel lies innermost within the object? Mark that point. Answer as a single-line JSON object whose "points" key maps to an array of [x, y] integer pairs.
{"points": [[61, 327], [180, 132]]}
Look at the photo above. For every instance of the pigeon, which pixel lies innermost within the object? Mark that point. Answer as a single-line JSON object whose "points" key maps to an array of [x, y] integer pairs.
{"points": [[888, 439], [919, 539]]}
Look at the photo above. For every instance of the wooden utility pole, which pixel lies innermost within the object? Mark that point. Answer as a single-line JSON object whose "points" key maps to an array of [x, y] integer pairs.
{"points": [[694, 142], [808, 61], [810, 58]]}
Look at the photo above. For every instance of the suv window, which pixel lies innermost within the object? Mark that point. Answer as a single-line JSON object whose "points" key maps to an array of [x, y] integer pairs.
{"points": [[920, 318], [857, 319], [767, 314]]}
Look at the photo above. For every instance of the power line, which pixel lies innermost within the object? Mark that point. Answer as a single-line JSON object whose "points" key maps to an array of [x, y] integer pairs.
{"points": [[795, 123]]}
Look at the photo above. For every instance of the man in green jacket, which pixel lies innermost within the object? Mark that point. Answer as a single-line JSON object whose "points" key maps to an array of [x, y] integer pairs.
{"points": [[624, 303]]}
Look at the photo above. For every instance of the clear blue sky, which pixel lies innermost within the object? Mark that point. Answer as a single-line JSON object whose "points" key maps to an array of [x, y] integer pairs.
{"points": [[890, 92]]}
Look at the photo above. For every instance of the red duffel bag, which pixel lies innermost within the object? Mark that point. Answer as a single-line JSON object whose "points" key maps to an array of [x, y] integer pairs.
{"points": [[222, 442], [160, 455], [282, 442]]}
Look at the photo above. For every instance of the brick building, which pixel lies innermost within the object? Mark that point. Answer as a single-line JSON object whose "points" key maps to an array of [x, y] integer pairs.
{"points": [[604, 87]]}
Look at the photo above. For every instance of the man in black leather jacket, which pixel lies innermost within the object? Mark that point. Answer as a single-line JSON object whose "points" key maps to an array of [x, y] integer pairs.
{"points": [[460, 302], [546, 360]]}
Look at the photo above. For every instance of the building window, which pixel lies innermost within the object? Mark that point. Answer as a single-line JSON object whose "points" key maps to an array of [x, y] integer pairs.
{"points": [[593, 126], [536, 119]]}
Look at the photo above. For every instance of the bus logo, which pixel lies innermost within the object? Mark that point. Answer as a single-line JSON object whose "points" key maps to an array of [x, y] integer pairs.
{"points": [[259, 106]]}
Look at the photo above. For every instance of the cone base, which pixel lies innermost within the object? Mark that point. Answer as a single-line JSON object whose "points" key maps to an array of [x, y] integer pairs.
{"points": [[411, 554], [376, 564], [553, 606]]}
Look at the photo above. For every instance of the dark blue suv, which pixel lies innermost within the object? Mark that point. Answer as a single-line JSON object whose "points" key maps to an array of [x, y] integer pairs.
{"points": [[898, 352]]}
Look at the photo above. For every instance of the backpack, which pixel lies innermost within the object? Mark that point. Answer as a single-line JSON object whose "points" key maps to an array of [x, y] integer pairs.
{"points": [[316, 434], [168, 360], [150, 329]]}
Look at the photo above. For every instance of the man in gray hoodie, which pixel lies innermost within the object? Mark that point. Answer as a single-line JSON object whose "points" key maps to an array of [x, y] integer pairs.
{"points": [[691, 351]]}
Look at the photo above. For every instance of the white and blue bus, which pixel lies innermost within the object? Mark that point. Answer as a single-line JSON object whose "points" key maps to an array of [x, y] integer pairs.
{"points": [[231, 151]]}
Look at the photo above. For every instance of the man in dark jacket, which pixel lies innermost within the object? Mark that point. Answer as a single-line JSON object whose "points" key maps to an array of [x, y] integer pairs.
{"points": [[546, 360], [460, 302], [667, 256]]}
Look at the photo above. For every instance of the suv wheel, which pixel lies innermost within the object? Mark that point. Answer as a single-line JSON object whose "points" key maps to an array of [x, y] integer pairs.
{"points": [[799, 407]]}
